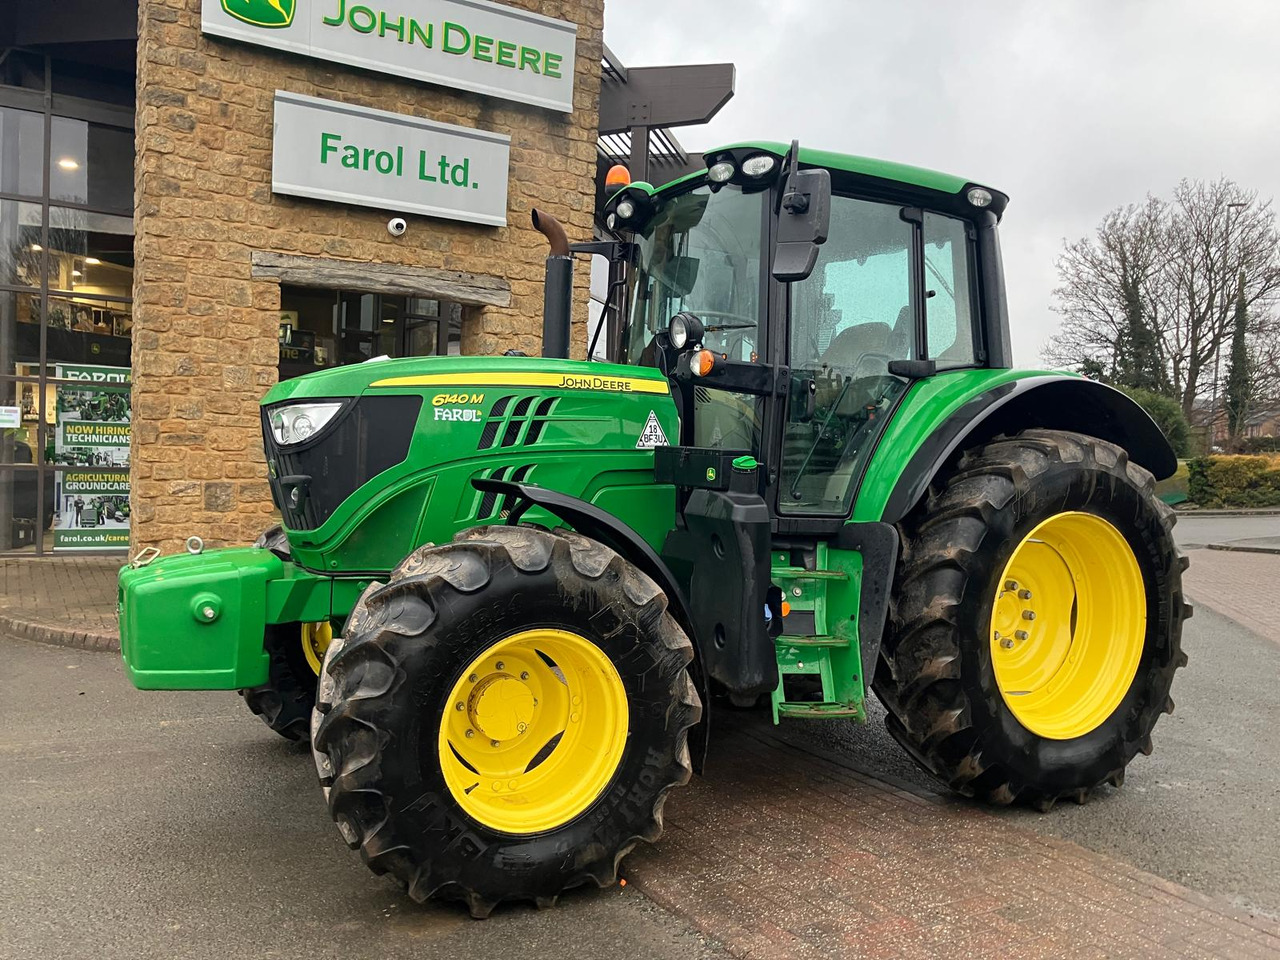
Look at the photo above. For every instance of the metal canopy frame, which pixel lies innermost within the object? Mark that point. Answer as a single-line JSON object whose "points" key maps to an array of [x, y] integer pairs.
{"points": [[640, 105]]}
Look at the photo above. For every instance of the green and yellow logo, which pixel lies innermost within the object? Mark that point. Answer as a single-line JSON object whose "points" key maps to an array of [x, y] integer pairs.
{"points": [[262, 13]]}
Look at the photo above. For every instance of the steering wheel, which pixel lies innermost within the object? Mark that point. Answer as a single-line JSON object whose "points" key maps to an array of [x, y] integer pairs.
{"points": [[871, 365]]}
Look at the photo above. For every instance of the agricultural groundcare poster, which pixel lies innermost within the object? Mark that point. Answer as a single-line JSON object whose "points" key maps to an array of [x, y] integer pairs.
{"points": [[92, 432]]}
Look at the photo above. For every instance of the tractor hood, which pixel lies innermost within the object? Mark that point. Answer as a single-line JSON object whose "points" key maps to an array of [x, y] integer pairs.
{"points": [[367, 461]]}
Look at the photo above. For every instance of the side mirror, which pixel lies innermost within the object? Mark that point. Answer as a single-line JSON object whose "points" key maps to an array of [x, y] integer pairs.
{"points": [[803, 222]]}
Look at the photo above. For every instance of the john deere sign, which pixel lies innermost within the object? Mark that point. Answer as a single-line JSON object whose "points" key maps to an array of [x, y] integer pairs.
{"points": [[334, 151], [471, 44]]}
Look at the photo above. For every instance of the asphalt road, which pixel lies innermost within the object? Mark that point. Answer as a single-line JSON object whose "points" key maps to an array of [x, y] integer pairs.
{"points": [[161, 825], [1202, 810], [1193, 531]]}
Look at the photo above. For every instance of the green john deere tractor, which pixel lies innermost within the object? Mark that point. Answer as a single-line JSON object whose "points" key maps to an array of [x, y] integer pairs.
{"points": [[507, 589]]}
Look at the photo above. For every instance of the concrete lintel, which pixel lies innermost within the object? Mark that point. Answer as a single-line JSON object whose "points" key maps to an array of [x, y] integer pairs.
{"points": [[470, 289]]}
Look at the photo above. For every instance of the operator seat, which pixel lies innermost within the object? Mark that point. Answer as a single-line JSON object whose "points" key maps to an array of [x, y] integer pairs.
{"points": [[853, 343]]}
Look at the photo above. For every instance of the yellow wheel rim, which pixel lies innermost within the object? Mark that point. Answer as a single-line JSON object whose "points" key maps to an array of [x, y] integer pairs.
{"points": [[1068, 623], [533, 731], [316, 638]]}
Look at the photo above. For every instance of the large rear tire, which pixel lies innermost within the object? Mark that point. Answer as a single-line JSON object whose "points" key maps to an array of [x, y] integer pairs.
{"points": [[1036, 620], [503, 720]]}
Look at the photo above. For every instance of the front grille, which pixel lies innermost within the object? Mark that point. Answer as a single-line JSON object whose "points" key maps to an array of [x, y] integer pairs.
{"points": [[368, 436]]}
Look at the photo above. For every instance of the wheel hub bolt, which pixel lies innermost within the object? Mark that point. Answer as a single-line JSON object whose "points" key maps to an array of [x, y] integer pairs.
{"points": [[493, 743], [460, 706], [473, 678], [1028, 614], [1021, 634], [499, 665], [1006, 643], [524, 674], [470, 734], [1024, 594], [1011, 584]]}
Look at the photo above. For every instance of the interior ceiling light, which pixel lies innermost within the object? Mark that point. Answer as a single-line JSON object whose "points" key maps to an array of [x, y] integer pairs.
{"points": [[92, 261], [69, 163]]}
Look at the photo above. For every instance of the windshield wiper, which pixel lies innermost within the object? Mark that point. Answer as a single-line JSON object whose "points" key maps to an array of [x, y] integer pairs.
{"points": [[822, 432]]}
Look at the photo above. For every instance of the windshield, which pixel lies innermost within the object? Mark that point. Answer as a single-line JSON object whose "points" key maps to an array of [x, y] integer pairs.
{"points": [[701, 253]]}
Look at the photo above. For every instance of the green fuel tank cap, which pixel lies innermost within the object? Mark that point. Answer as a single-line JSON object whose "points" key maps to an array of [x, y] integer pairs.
{"points": [[746, 462]]}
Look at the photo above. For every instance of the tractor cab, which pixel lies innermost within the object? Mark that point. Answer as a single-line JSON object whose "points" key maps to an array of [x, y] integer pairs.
{"points": [[793, 304]]}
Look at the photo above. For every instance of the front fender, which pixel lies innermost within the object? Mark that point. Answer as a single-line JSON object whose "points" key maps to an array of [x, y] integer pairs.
{"points": [[591, 521]]}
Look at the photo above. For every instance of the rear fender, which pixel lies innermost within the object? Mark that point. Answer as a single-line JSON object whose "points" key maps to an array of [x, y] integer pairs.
{"points": [[1046, 402]]}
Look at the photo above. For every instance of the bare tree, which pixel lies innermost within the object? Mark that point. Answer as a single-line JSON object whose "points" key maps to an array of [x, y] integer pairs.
{"points": [[1104, 292], [1182, 261]]}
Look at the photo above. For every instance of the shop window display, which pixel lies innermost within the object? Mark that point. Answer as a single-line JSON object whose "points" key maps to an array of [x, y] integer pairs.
{"points": [[323, 328], [66, 318]]}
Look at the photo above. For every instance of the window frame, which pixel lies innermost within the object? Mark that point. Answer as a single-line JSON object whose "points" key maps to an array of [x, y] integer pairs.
{"points": [[977, 318]]}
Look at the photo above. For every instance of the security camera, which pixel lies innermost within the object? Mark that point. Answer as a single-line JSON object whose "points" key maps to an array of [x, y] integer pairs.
{"points": [[396, 226]]}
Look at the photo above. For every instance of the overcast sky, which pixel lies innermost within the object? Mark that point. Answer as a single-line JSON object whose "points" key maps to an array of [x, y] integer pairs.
{"points": [[1071, 107]]}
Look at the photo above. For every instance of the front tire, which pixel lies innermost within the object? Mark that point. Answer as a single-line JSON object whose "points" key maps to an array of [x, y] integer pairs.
{"points": [[1012, 693], [503, 720], [285, 701], [294, 652]]}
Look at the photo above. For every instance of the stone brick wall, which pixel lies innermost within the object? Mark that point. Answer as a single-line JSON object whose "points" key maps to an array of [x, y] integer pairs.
{"points": [[204, 335]]}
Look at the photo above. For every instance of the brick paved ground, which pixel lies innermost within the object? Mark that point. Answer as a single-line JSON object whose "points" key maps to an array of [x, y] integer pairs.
{"points": [[783, 850], [779, 852], [68, 600], [1242, 586]]}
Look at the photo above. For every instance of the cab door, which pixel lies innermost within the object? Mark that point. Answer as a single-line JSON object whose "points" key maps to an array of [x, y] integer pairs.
{"points": [[855, 314], [892, 283]]}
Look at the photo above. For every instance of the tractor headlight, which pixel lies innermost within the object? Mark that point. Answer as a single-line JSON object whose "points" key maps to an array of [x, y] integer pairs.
{"points": [[685, 329], [758, 165], [625, 210], [979, 196], [721, 172], [299, 422]]}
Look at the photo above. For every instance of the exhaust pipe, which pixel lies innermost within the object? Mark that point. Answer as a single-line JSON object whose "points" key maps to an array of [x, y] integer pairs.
{"points": [[557, 294]]}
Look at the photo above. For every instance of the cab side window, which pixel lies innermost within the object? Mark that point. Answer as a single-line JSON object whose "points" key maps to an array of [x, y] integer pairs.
{"points": [[950, 292]]}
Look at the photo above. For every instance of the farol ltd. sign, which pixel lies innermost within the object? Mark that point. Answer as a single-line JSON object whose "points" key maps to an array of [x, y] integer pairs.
{"points": [[334, 151], [469, 44]]}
